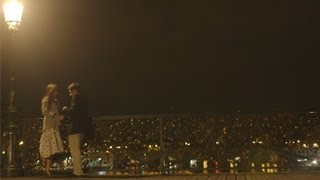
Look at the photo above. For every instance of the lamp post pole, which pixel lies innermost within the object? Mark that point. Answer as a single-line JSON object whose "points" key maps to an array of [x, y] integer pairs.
{"points": [[162, 150], [13, 165]]}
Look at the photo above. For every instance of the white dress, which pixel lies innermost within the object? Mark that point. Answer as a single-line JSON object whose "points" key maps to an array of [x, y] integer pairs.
{"points": [[50, 141]]}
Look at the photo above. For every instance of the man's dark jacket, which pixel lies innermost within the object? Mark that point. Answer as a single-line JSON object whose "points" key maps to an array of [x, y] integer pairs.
{"points": [[78, 114]]}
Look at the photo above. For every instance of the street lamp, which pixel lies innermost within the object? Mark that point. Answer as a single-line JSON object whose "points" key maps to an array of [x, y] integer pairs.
{"points": [[13, 166], [13, 13]]}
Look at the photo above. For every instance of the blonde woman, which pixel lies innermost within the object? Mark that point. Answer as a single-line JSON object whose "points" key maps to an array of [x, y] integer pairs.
{"points": [[50, 141]]}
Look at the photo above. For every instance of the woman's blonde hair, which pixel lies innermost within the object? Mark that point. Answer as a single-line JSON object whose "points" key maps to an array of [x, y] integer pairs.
{"points": [[49, 92], [50, 89]]}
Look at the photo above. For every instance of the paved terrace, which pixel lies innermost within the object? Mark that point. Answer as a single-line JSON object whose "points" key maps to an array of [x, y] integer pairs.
{"points": [[240, 176]]}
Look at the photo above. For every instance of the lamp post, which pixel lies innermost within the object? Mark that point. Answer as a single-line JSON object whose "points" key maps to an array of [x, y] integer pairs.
{"points": [[13, 166]]}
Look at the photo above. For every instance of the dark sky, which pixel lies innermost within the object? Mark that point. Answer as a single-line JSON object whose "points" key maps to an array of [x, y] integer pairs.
{"points": [[160, 56]]}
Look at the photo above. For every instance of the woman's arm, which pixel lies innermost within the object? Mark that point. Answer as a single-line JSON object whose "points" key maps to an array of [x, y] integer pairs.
{"points": [[45, 108]]}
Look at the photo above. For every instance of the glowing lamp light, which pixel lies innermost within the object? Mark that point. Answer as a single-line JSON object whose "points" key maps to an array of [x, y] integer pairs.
{"points": [[315, 162], [205, 164], [305, 145], [13, 13]]}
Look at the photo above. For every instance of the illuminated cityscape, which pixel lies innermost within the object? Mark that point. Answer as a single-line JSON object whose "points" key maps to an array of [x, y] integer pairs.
{"points": [[212, 143]]}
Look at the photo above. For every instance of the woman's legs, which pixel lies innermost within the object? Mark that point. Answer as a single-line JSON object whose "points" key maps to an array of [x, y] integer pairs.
{"points": [[43, 163], [46, 164]]}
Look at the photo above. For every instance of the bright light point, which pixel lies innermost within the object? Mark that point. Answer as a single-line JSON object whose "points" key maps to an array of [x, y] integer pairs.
{"points": [[21, 143], [315, 145], [298, 141], [302, 160], [205, 164], [110, 147], [217, 142], [99, 159], [3, 152], [102, 172], [315, 162], [304, 145], [13, 13]]}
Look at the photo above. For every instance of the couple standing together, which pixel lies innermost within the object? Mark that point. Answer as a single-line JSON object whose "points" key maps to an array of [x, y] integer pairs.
{"points": [[50, 141]]}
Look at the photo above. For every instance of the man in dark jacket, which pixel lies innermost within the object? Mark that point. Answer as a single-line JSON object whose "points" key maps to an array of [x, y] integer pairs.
{"points": [[78, 114]]}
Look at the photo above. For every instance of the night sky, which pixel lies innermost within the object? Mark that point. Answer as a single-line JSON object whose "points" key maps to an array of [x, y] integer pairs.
{"points": [[167, 56]]}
